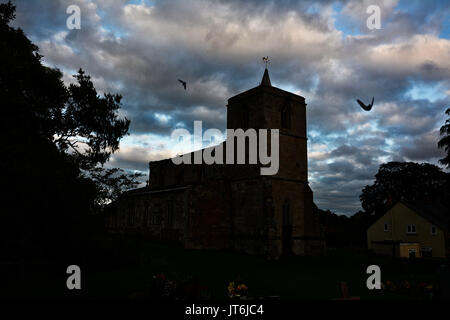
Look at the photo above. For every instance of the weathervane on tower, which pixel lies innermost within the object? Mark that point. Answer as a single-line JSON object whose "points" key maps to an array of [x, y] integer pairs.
{"points": [[266, 60], [266, 79]]}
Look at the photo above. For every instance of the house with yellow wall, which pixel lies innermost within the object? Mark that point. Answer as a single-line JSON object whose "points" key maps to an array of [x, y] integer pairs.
{"points": [[410, 230]]}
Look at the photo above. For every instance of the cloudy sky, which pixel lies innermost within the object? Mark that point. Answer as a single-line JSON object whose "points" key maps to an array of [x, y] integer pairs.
{"points": [[321, 50]]}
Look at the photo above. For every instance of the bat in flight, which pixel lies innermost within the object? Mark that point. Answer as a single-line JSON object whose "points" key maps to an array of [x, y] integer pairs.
{"points": [[183, 83], [364, 106]]}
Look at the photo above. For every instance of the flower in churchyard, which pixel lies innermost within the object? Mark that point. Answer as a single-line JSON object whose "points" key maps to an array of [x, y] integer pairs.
{"points": [[237, 291], [231, 288]]}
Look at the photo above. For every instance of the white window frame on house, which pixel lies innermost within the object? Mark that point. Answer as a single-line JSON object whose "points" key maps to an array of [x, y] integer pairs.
{"points": [[433, 230], [386, 227], [411, 229]]}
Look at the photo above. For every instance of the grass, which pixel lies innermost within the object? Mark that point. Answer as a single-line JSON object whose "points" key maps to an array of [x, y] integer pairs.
{"points": [[291, 278]]}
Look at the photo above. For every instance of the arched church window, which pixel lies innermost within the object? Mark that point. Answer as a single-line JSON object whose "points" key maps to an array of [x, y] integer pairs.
{"points": [[287, 218], [285, 117]]}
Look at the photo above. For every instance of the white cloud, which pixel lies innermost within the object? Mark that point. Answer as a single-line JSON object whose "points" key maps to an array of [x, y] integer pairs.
{"points": [[413, 56]]}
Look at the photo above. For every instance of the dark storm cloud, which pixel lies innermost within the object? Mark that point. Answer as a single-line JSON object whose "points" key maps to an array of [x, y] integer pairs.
{"points": [[345, 150], [340, 183], [138, 164], [411, 117], [432, 71], [349, 172], [423, 148], [144, 120], [141, 50], [362, 156]]}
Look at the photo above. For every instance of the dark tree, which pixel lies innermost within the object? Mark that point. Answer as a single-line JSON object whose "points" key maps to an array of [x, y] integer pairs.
{"points": [[88, 125], [46, 178], [111, 183], [344, 231], [407, 180], [444, 143]]}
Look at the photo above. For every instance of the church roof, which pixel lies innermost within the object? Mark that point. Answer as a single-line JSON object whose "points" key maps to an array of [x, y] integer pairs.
{"points": [[266, 79], [266, 86]]}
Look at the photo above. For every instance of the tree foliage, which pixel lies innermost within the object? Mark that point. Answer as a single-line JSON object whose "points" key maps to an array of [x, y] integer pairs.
{"points": [[54, 140], [407, 180], [444, 143], [111, 183], [88, 125], [84, 126]]}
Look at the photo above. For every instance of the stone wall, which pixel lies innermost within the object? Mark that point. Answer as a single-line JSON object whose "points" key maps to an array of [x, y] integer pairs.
{"points": [[248, 216], [209, 220], [160, 216]]}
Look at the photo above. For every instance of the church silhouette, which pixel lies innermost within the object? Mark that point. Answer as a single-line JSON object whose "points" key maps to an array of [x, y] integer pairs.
{"points": [[223, 206]]}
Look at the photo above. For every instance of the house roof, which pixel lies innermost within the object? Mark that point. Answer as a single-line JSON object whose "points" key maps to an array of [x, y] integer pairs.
{"points": [[432, 211], [266, 87]]}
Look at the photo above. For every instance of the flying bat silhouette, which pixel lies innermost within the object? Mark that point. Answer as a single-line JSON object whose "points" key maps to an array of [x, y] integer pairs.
{"points": [[183, 83], [366, 107]]}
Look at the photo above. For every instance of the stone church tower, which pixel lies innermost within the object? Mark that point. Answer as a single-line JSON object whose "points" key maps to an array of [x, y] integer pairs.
{"points": [[288, 217], [233, 206]]}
